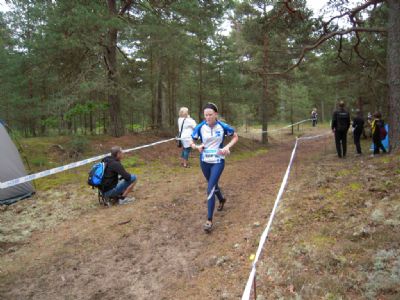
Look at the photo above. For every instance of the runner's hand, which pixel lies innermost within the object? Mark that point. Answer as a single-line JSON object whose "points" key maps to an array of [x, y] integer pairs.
{"points": [[200, 148], [225, 151]]}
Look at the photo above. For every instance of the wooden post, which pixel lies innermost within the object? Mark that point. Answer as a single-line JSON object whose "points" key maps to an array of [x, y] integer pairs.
{"points": [[255, 287], [291, 116]]}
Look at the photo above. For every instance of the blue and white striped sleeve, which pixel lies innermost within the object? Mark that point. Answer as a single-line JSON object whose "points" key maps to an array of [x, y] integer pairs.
{"points": [[229, 131], [196, 131]]}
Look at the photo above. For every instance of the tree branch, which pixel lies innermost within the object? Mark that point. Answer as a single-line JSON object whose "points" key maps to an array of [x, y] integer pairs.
{"points": [[292, 10], [340, 51], [126, 6], [323, 39], [351, 13]]}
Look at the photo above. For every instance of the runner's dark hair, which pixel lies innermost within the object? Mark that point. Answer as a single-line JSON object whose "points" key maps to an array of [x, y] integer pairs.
{"points": [[211, 106]]}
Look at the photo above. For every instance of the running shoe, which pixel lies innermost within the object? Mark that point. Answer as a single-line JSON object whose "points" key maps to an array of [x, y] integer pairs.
{"points": [[126, 200]]}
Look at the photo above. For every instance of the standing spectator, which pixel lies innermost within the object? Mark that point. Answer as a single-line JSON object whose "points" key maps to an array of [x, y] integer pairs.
{"points": [[378, 133], [358, 127], [185, 125], [340, 126], [314, 117]]}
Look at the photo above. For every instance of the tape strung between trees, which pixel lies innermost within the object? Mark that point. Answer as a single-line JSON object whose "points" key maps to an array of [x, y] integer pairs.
{"points": [[16, 181], [13, 182], [264, 235]]}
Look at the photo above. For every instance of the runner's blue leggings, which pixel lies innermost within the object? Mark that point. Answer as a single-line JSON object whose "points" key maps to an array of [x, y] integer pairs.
{"points": [[212, 172]]}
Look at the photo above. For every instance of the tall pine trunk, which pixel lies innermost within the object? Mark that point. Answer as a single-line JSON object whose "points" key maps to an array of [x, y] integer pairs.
{"points": [[264, 98], [153, 87], [200, 95], [393, 66], [110, 56]]}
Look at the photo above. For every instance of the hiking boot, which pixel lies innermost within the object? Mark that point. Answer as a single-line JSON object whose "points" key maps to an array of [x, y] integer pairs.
{"points": [[126, 200]]}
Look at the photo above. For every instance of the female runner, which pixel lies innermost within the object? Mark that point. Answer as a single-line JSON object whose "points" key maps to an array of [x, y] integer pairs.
{"points": [[212, 132]]}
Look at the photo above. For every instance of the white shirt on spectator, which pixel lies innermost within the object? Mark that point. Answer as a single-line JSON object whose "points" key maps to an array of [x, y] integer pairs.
{"points": [[187, 130]]}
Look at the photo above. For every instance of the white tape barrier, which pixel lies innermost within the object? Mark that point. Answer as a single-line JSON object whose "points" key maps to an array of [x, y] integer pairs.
{"points": [[288, 126], [313, 137], [247, 290], [13, 182]]}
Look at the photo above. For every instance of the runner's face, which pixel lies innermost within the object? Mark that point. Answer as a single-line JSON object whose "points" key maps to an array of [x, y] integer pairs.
{"points": [[210, 116]]}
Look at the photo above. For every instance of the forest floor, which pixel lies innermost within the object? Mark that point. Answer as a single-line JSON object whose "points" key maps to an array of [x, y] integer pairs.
{"points": [[335, 235]]}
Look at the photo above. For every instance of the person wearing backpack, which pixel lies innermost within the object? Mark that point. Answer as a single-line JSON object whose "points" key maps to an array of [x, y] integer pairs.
{"points": [[358, 127], [340, 125], [111, 186], [378, 133]]}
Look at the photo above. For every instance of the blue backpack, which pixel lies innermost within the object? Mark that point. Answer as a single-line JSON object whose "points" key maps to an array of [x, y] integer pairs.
{"points": [[96, 174]]}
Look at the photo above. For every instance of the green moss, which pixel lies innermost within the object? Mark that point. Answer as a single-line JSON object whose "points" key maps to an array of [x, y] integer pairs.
{"points": [[247, 154], [340, 195], [322, 241], [39, 161], [331, 296], [355, 186], [343, 173], [131, 161], [68, 177], [385, 159]]}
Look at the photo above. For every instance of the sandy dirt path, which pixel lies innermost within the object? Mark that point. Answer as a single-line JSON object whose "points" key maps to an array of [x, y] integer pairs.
{"points": [[160, 252]]}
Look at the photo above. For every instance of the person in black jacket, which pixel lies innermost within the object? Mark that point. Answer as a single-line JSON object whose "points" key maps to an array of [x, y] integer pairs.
{"points": [[112, 187], [358, 126], [340, 126]]}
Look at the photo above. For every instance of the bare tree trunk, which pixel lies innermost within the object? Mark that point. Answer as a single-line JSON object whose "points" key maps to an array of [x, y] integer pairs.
{"points": [[264, 98], [220, 84], [110, 57], [104, 123], [153, 87], [91, 127], [32, 121], [200, 101], [172, 85], [160, 111], [393, 67]]}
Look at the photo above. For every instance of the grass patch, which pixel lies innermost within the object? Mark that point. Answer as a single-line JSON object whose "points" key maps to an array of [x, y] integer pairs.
{"points": [[355, 186], [322, 241], [62, 178], [131, 161], [340, 195], [343, 173], [247, 154]]}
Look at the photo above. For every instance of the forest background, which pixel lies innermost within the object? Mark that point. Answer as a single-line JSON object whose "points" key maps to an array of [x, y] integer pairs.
{"points": [[110, 67]]}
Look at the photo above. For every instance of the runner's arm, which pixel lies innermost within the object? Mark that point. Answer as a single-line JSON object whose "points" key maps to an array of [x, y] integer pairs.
{"points": [[226, 149]]}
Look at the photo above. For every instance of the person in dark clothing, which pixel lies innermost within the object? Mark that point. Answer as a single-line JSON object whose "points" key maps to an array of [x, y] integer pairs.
{"points": [[112, 187], [340, 126], [358, 127], [377, 126], [314, 117]]}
